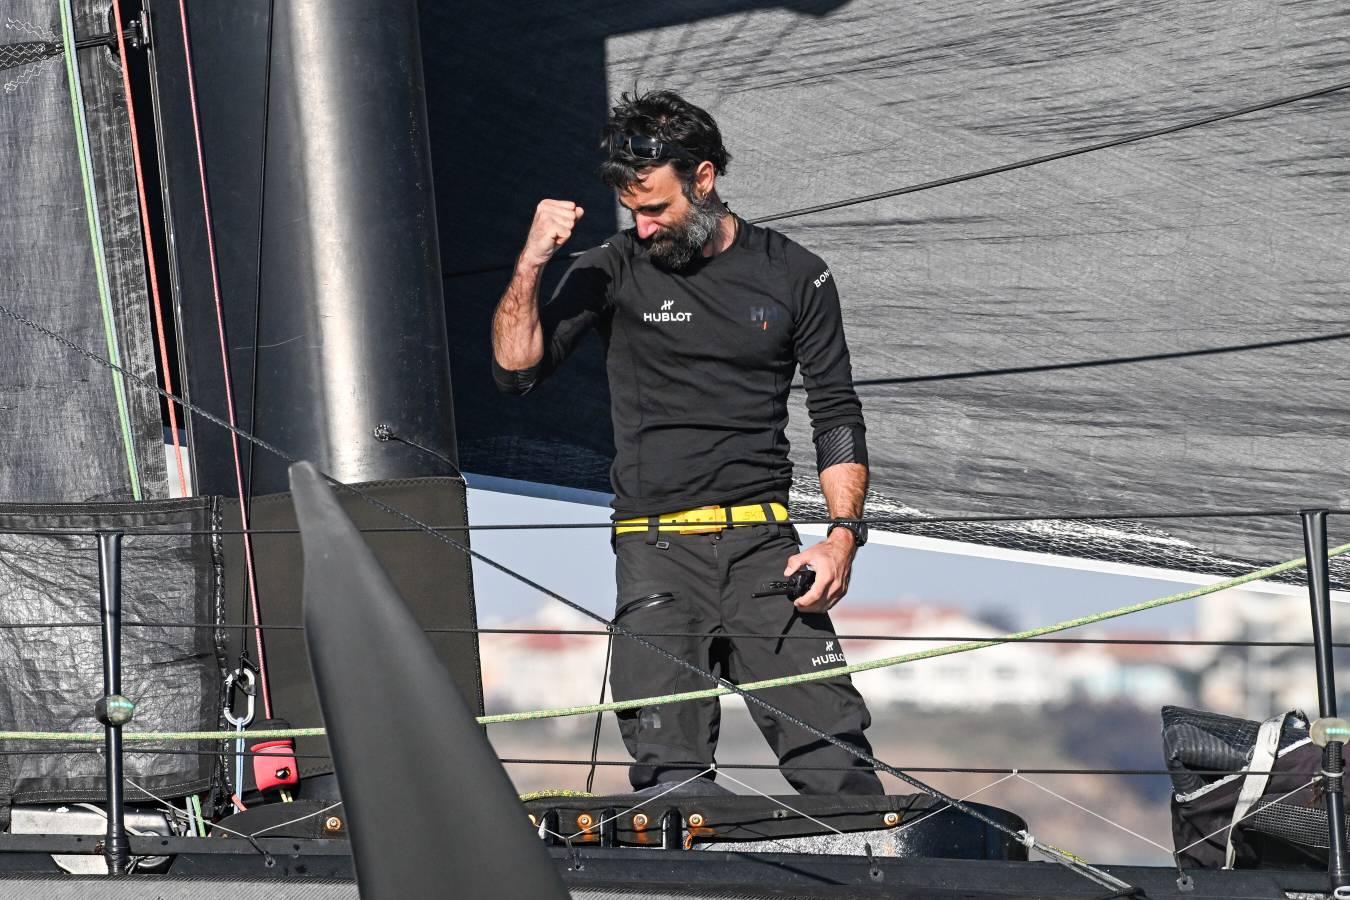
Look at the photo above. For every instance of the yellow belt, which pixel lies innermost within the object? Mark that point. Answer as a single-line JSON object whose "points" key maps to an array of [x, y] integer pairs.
{"points": [[703, 520]]}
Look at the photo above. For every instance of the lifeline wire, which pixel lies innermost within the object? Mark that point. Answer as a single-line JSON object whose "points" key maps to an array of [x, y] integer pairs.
{"points": [[726, 687], [96, 240], [996, 170], [739, 635], [1052, 853], [566, 526]]}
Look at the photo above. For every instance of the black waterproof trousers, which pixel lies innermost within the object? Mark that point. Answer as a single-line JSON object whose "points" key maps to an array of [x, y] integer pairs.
{"points": [[701, 584]]}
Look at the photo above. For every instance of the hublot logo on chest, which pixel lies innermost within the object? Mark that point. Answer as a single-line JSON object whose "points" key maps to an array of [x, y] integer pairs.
{"points": [[763, 315], [666, 314]]}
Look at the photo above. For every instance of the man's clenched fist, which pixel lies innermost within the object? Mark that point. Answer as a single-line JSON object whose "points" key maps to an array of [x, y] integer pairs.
{"points": [[551, 228]]}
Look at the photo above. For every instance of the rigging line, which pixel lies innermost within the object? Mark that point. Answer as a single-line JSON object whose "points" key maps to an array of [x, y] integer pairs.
{"points": [[1316, 778], [750, 787], [739, 635], [260, 832], [600, 717], [954, 770], [982, 173], [263, 685], [96, 239], [152, 530], [151, 266], [247, 502], [725, 686], [905, 826], [1095, 363], [1097, 815], [946, 650], [387, 433], [1061, 154]]}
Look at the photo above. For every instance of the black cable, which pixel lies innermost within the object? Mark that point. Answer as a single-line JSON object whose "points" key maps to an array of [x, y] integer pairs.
{"points": [[880, 521], [245, 607], [1095, 363], [387, 433], [995, 170], [152, 751], [600, 716], [748, 696], [953, 770], [737, 635]]}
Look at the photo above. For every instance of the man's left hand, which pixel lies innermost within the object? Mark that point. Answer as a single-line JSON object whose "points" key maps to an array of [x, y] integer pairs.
{"points": [[832, 560]]}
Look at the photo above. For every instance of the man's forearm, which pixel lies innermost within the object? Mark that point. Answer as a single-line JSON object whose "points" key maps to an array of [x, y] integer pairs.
{"points": [[845, 488], [517, 336]]}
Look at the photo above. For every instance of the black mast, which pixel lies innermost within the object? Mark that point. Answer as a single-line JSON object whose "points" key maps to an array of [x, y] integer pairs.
{"points": [[349, 304]]}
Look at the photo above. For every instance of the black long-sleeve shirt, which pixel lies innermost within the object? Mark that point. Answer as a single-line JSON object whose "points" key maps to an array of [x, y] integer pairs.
{"points": [[700, 362]]}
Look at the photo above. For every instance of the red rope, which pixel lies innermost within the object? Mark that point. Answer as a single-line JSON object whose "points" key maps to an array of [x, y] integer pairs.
{"points": [[264, 691], [150, 253]]}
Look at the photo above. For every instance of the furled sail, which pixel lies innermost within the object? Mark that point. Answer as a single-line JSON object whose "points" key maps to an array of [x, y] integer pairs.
{"points": [[71, 258], [1193, 246]]}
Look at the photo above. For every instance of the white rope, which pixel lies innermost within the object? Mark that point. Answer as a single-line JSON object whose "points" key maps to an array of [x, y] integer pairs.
{"points": [[300, 819], [751, 787], [216, 825], [1097, 815], [946, 806]]}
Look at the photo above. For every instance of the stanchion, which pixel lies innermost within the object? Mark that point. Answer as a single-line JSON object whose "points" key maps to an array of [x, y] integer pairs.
{"points": [[1333, 763], [113, 710]]}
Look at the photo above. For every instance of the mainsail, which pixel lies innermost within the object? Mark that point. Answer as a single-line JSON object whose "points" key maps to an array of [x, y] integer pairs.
{"points": [[1213, 239], [71, 256]]}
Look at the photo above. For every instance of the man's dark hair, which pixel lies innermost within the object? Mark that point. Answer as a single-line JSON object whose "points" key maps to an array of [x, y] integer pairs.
{"points": [[666, 116]]}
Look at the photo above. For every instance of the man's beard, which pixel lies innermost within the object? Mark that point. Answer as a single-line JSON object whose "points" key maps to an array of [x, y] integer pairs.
{"points": [[675, 248]]}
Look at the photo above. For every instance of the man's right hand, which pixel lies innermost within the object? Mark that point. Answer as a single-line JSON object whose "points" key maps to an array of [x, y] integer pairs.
{"points": [[551, 228]]}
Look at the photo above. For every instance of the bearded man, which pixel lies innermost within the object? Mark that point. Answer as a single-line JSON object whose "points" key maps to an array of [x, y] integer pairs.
{"points": [[705, 319]]}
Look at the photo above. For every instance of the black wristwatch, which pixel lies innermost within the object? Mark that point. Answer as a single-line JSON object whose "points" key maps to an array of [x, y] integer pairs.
{"points": [[859, 530]]}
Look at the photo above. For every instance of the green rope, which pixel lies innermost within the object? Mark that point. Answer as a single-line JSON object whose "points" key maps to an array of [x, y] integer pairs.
{"points": [[554, 794], [614, 706], [96, 239], [198, 820]]}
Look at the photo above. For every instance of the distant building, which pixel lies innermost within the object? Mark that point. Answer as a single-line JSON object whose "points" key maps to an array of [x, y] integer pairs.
{"points": [[1032, 674], [1257, 682], [530, 671]]}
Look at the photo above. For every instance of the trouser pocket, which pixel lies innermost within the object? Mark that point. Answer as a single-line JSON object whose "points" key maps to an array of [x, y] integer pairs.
{"points": [[641, 604]]}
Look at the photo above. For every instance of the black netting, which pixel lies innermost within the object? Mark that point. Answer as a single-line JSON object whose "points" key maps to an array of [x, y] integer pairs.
{"points": [[1297, 824]]}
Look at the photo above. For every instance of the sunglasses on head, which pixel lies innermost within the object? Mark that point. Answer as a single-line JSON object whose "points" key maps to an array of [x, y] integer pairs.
{"points": [[648, 148]]}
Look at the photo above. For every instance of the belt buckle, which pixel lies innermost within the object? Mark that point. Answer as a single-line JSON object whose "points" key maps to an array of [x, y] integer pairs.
{"points": [[709, 528]]}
